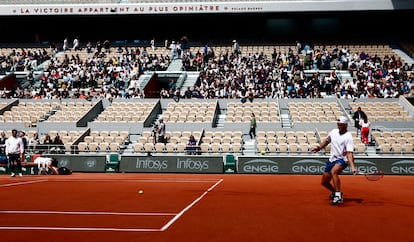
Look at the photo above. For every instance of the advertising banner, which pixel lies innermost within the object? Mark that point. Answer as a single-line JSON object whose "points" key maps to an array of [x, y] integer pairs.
{"points": [[316, 165], [177, 164], [82, 163]]}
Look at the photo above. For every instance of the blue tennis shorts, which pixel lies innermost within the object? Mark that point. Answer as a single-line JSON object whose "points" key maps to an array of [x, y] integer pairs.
{"points": [[329, 165]]}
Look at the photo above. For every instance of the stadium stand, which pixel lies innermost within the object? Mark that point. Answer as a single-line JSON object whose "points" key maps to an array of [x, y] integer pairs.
{"points": [[107, 101]]}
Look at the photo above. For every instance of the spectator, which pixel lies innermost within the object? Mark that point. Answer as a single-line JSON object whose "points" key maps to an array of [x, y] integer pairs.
{"points": [[89, 47], [57, 145], [15, 153], [22, 135], [65, 45], [153, 44], [174, 50], [236, 48], [75, 46], [107, 46], [358, 116], [3, 139], [191, 147], [253, 126], [161, 131], [48, 140], [365, 124], [34, 141]]}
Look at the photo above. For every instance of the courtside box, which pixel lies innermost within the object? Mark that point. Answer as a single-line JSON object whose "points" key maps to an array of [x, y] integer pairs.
{"points": [[82, 163], [172, 164]]}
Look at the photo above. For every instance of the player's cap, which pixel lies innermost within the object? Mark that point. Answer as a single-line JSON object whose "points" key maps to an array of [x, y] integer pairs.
{"points": [[342, 120]]}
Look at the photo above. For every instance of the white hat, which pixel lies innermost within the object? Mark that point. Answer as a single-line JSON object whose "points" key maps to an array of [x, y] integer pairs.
{"points": [[342, 120]]}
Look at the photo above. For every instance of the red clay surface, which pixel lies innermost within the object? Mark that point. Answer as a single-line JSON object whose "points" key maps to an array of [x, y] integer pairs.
{"points": [[193, 207]]}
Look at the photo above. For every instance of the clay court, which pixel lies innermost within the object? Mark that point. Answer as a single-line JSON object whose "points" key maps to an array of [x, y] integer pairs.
{"points": [[186, 207]]}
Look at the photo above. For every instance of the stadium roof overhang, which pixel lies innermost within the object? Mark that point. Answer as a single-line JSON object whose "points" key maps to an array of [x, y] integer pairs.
{"points": [[199, 7]]}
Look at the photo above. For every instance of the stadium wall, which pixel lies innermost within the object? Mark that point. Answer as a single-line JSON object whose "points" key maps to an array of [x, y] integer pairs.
{"points": [[214, 164]]}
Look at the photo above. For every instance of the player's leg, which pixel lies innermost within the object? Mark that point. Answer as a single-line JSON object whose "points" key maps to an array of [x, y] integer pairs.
{"points": [[13, 164], [327, 177], [326, 182], [336, 171], [19, 165]]}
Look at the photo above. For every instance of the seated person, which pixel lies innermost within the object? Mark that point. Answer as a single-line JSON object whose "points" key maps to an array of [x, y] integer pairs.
{"points": [[192, 146], [48, 140], [34, 141], [44, 164], [58, 145]]}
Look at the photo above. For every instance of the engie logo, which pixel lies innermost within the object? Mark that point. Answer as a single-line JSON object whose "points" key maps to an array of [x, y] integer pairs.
{"points": [[403, 167], [260, 166], [363, 166], [308, 166]]}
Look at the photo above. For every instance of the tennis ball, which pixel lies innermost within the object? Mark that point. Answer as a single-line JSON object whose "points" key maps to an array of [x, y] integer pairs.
{"points": [[263, 152], [141, 192]]}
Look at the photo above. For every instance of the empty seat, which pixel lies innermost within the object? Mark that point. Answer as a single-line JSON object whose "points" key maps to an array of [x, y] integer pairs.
{"points": [[159, 147], [103, 147]]}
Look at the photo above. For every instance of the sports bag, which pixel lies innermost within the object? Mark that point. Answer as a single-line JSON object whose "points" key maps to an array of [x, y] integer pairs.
{"points": [[64, 171]]}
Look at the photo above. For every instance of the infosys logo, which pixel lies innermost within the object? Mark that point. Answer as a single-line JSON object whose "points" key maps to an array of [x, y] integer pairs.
{"points": [[403, 167], [308, 166], [260, 166], [151, 164]]}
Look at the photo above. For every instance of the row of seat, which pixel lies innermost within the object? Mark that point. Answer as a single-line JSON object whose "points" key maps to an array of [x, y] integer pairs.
{"points": [[381, 111]]}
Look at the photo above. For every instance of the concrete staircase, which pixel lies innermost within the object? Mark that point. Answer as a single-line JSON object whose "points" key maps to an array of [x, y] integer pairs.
{"points": [[406, 58], [190, 81], [250, 147], [175, 65]]}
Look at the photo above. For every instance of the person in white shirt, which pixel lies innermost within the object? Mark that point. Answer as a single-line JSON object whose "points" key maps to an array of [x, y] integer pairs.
{"points": [[341, 155], [75, 44], [44, 164], [15, 152], [364, 123]]}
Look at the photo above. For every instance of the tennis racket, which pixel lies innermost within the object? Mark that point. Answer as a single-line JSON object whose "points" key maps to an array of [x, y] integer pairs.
{"points": [[372, 176]]}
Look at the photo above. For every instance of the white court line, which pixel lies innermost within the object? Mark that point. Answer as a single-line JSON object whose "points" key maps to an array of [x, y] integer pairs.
{"points": [[138, 180], [85, 213], [22, 183], [163, 228], [79, 229]]}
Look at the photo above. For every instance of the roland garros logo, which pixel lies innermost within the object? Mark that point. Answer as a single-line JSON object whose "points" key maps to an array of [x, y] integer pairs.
{"points": [[64, 162], [90, 163]]}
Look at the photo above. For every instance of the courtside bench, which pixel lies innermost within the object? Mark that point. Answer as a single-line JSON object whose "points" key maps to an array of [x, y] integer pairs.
{"points": [[28, 168]]}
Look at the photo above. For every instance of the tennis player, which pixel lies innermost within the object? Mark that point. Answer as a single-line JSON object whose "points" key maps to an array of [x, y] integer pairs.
{"points": [[341, 155]]}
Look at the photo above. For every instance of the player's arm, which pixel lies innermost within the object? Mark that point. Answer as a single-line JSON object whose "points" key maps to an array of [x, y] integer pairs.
{"points": [[351, 161], [321, 146]]}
